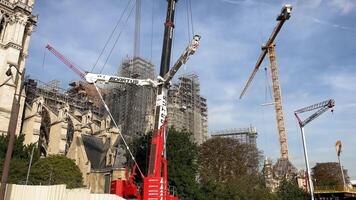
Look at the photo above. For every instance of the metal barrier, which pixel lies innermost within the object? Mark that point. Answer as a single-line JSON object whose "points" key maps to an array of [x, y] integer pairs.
{"points": [[334, 189]]}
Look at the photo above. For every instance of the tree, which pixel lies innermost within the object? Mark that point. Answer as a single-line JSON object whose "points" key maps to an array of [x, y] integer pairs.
{"points": [[56, 169], [140, 147], [230, 170], [225, 159], [20, 151], [18, 170], [288, 190], [20, 158], [328, 174], [182, 154]]}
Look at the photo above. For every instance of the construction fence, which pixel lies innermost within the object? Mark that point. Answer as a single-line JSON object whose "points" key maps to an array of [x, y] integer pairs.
{"points": [[53, 192]]}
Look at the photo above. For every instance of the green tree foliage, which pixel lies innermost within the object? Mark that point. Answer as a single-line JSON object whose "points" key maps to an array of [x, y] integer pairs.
{"points": [[20, 151], [224, 159], [288, 190], [56, 169], [230, 170], [182, 155], [328, 174], [50, 170], [18, 170], [141, 149], [20, 158]]}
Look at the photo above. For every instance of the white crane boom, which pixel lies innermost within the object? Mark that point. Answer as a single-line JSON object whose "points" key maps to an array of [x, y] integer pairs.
{"points": [[93, 78], [190, 50], [322, 106]]}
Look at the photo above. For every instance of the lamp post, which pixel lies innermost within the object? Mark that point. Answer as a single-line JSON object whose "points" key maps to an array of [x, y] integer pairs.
{"points": [[338, 146], [30, 164], [12, 128]]}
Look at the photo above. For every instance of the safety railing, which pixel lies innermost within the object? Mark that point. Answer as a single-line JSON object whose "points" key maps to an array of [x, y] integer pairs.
{"points": [[334, 189]]}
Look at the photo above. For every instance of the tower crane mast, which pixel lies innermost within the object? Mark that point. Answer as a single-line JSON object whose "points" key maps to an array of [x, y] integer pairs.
{"points": [[269, 48]]}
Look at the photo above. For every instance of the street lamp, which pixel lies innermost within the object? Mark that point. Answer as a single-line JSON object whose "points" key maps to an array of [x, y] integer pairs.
{"points": [[338, 146], [30, 164], [11, 129]]}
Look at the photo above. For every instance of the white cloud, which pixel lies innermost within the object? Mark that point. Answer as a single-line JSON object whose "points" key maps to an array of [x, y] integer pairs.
{"points": [[342, 6], [345, 6], [340, 81]]}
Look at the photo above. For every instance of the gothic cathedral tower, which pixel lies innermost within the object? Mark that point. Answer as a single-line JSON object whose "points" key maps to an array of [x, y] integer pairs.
{"points": [[16, 25]]}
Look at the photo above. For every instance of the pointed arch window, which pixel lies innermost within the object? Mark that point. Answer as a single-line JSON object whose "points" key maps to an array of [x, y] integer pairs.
{"points": [[3, 22]]}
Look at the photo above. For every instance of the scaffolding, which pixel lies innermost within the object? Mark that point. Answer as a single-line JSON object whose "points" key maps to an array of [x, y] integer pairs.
{"points": [[133, 106], [56, 97], [243, 135], [187, 109]]}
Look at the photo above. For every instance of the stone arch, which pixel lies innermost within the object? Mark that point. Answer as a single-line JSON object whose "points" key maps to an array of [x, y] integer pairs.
{"points": [[45, 129]]}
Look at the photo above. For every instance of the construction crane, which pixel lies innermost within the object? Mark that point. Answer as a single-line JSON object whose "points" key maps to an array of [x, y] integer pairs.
{"points": [[269, 48], [93, 78], [322, 107], [155, 184], [66, 61]]}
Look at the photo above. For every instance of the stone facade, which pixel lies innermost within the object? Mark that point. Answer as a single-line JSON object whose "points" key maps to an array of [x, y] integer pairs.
{"points": [[66, 123], [274, 174], [16, 25]]}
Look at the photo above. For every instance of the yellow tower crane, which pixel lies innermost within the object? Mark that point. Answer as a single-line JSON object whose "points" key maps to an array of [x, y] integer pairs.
{"points": [[269, 48]]}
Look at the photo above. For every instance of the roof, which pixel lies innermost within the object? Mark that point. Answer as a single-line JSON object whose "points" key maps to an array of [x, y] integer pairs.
{"points": [[96, 151]]}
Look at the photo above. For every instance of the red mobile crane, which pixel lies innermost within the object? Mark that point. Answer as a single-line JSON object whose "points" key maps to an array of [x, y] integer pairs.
{"points": [[155, 184]]}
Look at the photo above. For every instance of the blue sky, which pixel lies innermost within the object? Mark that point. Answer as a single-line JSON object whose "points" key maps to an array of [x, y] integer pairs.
{"points": [[315, 54]]}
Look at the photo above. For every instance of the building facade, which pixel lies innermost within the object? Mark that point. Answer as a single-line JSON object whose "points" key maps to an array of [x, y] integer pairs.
{"points": [[72, 123], [16, 26], [187, 109]]}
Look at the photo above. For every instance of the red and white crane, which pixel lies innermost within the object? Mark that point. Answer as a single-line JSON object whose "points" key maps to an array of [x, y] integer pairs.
{"points": [[155, 184]]}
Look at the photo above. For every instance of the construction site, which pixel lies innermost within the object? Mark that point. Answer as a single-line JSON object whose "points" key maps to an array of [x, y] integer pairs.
{"points": [[113, 119]]}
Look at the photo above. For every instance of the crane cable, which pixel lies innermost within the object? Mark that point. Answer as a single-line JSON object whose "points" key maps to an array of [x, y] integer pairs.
{"points": [[117, 39], [152, 25], [191, 15], [122, 137], [111, 35], [268, 90], [188, 20], [190, 24]]}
